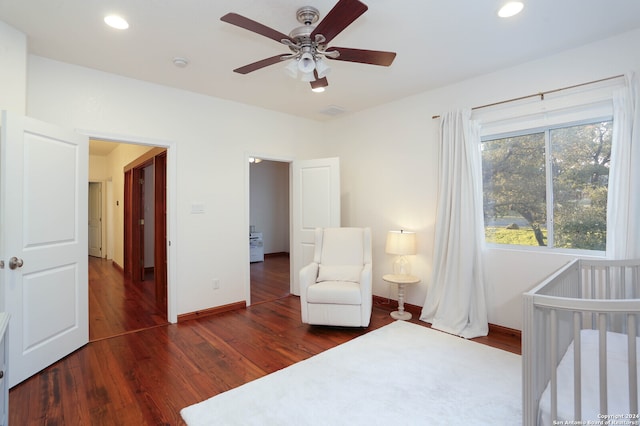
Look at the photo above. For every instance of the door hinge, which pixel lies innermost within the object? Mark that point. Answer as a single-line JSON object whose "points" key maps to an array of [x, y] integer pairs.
{"points": [[141, 181], [141, 221]]}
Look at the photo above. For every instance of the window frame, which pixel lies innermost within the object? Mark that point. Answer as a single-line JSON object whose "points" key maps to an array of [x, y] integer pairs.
{"points": [[549, 200]]}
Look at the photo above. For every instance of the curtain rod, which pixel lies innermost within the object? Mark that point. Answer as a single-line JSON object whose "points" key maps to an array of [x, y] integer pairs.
{"points": [[541, 94]]}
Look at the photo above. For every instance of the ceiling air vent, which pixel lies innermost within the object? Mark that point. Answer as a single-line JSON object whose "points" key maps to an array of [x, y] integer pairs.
{"points": [[333, 110]]}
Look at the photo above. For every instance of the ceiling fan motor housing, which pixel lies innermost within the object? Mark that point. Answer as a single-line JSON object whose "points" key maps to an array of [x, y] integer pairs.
{"points": [[302, 35], [308, 15]]}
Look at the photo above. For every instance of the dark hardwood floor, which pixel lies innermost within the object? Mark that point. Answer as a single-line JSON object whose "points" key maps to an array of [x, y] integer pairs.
{"points": [[270, 279], [146, 377], [117, 305]]}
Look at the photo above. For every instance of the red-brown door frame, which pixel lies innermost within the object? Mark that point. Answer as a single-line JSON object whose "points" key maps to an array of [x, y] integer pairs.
{"points": [[160, 231], [128, 222], [134, 225]]}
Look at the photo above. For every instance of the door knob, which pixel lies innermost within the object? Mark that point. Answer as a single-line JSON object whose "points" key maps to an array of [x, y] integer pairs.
{"points": [[14, 263]]}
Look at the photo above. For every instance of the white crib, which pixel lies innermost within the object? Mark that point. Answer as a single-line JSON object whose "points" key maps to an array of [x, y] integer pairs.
{"points": [[593, 305]]}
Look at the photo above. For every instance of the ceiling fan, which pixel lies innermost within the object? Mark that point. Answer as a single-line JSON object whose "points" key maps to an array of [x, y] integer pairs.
{"points": [[308, 43]]}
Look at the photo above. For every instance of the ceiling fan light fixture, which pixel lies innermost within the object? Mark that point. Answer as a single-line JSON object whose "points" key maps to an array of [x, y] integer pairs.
{"points": [[510, 9], [322, 68], [292, 69], [308, 77], [317, 89], [306, 63]]}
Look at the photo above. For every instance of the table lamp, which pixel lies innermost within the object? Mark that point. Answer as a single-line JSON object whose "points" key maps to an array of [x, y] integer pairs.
{"points": [[401, 243]]}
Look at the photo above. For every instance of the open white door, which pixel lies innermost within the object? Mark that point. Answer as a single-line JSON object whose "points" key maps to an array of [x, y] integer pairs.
{"points": [[315, 186], [44, 227]]}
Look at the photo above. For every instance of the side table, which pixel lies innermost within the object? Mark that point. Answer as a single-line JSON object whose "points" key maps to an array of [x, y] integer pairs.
{"points": [[401, 280]]}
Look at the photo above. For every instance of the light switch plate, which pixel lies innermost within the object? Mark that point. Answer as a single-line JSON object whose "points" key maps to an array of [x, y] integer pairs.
{"points": [[197, 208]]}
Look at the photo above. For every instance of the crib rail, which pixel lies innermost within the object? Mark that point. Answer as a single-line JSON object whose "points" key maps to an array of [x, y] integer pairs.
{"points": [[584, 294]]}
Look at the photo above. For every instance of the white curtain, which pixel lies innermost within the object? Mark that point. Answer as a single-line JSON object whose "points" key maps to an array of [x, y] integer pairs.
{"points": [[455, 300], [623, 203]]}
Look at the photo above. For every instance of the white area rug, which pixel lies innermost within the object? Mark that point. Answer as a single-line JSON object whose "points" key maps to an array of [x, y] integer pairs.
{"points": [[402, 373]]}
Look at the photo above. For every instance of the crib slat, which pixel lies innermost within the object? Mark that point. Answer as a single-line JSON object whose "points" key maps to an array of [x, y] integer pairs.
{"points": [[553, 334], [593, 293], [577, 367], [602, 345], [633, 364]]}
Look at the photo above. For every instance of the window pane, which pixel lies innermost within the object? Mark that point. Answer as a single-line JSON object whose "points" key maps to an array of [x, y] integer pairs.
{"points": [[514, 189], [580, 158]]}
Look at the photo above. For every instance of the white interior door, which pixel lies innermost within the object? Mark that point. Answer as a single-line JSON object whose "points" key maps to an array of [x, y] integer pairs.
{"points": [[44, 210], [95, 219], [315, 186]]}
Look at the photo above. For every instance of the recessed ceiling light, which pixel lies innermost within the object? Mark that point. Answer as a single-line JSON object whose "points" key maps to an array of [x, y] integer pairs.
{"points": [[117, 22], [510, 9]]}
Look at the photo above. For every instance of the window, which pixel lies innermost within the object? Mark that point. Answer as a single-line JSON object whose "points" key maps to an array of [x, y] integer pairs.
{"points": [[548, 187]]}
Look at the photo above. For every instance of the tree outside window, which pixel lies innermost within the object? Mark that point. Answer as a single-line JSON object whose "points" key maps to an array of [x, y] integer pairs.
{"points": [[548, 187]]}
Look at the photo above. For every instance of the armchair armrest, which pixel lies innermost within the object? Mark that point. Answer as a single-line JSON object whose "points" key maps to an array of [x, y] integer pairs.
{"points": [[366, 280], [366, 289], [308, 275]]}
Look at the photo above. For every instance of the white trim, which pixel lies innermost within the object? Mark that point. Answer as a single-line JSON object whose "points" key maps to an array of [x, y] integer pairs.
{"points": [[574, 105], [172, 210], [247, 215]]}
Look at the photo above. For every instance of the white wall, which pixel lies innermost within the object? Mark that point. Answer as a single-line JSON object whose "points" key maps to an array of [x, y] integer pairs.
{"points": [[13, 67], [210, 138], [389, 166]]}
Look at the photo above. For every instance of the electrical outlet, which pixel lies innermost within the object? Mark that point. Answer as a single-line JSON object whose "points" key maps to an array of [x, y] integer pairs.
{"points": [[216, 284]]}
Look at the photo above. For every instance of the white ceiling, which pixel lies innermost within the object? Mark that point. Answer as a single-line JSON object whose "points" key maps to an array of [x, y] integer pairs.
{"points": [[437, 43]]}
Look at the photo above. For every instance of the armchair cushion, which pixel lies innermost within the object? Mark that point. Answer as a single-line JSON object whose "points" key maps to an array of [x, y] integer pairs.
{"points": [[336, 292], [339, 273]]}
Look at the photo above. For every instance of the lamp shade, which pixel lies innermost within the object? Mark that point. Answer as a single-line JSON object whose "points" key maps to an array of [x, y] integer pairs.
{"points": [[401, 243]]}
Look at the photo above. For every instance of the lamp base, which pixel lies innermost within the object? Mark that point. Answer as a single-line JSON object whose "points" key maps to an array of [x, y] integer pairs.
{"points": [[401, 315], [402, 266]]}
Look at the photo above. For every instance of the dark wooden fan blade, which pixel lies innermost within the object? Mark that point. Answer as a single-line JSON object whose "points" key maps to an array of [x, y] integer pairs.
{"points": [[339, 18], [257, 65], [256, 27], [372, 57]]}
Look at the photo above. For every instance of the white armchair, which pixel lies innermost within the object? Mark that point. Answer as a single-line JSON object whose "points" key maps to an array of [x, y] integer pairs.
{"points": [[335, 289]]}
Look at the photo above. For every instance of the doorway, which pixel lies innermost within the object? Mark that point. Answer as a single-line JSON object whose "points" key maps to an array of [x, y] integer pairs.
{"points": [[269, 218], [145, 222], [120, 301]]}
